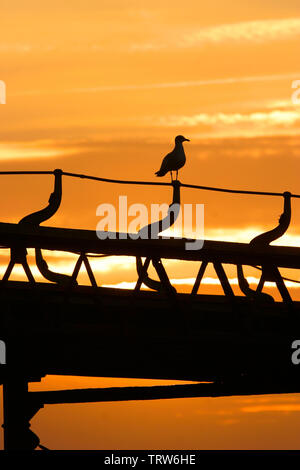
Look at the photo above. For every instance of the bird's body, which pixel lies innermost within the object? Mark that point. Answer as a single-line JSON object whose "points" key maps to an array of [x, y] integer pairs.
{"points": [[174, 160]]}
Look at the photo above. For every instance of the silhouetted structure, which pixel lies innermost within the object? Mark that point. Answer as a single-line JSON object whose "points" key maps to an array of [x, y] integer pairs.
{"points": [[240, 343]]}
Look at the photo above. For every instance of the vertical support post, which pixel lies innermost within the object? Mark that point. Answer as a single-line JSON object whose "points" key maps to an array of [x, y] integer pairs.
{"points": [[16, 413], [83, 259], [223, 279], [89, 270], [142, 274], [199, 278], [165, 281], [261, 283], [18, 256], [272, 273], [282, 287]]}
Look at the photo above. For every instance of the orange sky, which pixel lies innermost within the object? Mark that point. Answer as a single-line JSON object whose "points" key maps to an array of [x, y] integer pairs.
{"points": [[103, 88]]}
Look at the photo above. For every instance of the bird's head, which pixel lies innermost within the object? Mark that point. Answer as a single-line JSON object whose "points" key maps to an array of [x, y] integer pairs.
{"points": [[180, 139]]}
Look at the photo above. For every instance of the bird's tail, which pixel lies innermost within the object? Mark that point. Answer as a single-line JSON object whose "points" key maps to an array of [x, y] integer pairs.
{"points": [[160, 173]]}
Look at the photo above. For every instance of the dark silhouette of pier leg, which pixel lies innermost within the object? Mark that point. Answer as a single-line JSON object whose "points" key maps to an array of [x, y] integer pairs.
{"points": [[223, 279], [252, 294], [89, 271], [282, 287], [28, 272], [18, 410], [221, 275], [261, 283], [18, 256], [72, 281], [83, 259], [165, 281], [272, 274], [142, 275], [8, 271], [76, 270], [199, 277]]}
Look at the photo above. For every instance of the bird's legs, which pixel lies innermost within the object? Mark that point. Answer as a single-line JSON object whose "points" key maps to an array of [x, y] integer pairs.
{"points": [[176, 175]]}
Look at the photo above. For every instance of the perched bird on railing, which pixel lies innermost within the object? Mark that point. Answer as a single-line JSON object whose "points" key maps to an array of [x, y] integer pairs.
{"points": [[174, 160]]}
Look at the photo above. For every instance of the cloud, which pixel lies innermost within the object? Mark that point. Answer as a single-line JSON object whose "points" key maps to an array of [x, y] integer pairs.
{"points": [[257, 32], [287, 408], [153, 86], [248, 31], [146, 46], [244, 235], [271, 122], [271, 117], [33, 150], [24, 48], [208, 281], [67, 268], [19, 48]]}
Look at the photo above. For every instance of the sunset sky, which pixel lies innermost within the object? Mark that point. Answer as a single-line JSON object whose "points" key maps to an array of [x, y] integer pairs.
{"points": [[103, 87]]}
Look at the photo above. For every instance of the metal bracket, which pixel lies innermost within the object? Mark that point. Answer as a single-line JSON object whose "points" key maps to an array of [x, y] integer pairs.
{"points": [[227, 289], [18, 255], [152, 231], [35, 220], [82, 259], [270, 272], [163, 285]]}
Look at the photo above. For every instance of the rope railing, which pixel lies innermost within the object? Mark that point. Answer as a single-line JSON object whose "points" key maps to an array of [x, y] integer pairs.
{"points": [[109, 180], [61, 173], [27, 172], [148, 183]]}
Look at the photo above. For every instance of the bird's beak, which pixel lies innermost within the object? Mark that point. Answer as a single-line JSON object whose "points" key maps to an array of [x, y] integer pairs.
{"points": [[186, 140]]}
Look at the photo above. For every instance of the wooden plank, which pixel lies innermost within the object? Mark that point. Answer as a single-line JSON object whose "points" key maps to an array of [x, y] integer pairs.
{"points": [[76, 240], [161, 392]]}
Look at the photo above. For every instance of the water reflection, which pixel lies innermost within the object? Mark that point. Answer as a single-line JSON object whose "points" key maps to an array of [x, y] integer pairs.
{"points": [[248, 422]]}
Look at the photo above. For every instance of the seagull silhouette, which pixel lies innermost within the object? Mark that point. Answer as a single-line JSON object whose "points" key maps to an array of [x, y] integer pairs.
{"points": [[174, 160]]}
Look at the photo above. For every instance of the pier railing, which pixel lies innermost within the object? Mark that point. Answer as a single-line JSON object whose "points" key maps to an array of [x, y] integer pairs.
{"points": [[258, 253]]}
